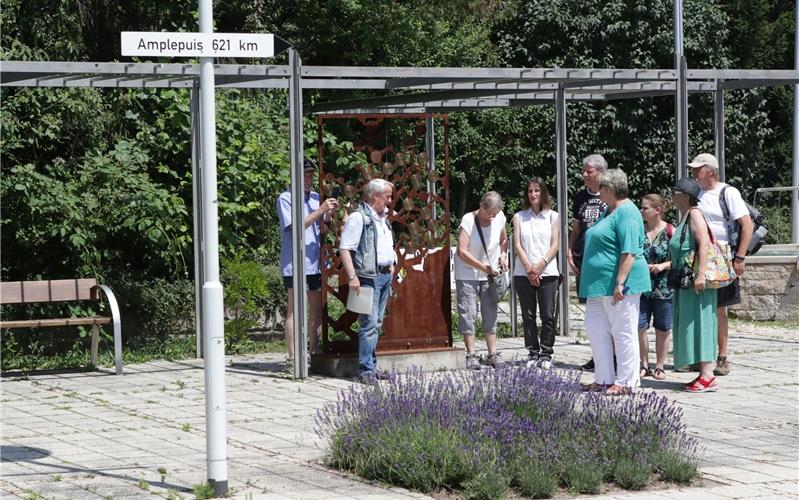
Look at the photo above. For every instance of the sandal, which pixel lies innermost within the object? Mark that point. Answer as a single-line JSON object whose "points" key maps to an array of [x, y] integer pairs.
{"points": [[703, 385], [689, 384], [618, 390], [593, 387], [659, 374], [645, 371]]}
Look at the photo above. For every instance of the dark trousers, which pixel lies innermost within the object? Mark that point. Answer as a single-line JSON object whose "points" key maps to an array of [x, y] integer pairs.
{"points": [[542, 296]]}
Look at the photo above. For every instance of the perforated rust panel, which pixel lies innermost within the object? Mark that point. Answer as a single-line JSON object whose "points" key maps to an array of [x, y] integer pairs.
{"points": [[418, 313]]}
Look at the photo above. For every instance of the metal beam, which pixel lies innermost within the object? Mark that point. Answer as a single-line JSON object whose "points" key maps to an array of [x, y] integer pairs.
{"points": [[795, 162], [297, 218], [494, 74], [563, 208], [681, 122], [197, 214], [718, 130]]}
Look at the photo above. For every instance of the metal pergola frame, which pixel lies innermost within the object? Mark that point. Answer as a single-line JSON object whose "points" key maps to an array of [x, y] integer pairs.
{"points": [[414, 90]]}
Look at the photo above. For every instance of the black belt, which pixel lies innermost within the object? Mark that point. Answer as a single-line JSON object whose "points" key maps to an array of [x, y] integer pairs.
{"points": [[384, 269]]}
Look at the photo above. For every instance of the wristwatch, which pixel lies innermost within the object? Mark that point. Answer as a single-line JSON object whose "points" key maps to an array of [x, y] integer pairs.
{"points": [[738, 257]]}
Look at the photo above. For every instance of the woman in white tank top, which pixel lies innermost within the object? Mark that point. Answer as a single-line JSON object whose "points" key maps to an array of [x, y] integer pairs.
{"points": [[535, 271]]}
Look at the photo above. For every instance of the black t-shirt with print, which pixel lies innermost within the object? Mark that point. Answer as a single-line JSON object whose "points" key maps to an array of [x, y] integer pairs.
{"points": [[586, 208]]}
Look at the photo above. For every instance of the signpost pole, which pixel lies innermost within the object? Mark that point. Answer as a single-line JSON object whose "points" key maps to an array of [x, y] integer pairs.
{"points": [[212, 296]]}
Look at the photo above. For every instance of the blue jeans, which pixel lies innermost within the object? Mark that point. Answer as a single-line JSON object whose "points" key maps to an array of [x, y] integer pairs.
{"points": [[371, 323], [658, 310]]}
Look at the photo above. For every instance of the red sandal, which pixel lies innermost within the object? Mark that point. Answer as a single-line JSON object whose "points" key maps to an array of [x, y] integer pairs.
{"points": [[689, 384], [702, 385]]}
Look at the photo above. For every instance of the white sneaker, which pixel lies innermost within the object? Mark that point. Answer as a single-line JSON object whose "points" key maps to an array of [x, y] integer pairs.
{"points": [[532, 360], [473, 362], [546, 364]]}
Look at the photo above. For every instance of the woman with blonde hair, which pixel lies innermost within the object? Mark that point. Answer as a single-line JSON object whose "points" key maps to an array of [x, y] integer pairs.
{"points": [[655, 306]]}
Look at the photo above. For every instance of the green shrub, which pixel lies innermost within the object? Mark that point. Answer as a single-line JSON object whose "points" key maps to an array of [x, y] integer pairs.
{"points": [[488, 484], [275, 301], [582, 477], [675, 468], [778, 218], [631, 474], [443, 462], [203, 490], [535, 480], [244, 283], [154, 308]]}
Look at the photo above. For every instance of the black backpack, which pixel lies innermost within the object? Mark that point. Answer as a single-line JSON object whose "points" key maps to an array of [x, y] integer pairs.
{"points": [[734, 228]]}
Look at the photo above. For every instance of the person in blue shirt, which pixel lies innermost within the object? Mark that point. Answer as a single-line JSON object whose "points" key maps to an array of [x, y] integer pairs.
{"points": [[315, 214], [614, 275]]}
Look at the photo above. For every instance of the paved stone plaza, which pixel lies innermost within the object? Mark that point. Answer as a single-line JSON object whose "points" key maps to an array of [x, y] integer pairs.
{"points": [[96, 435]]}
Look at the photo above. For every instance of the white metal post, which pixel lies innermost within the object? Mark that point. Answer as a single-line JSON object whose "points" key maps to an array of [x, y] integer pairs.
{"points": [[563, 208], [297, 218], [212, 296]]}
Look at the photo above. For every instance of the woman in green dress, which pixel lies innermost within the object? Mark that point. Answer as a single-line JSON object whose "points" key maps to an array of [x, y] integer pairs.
{"points": [[694, 309]]}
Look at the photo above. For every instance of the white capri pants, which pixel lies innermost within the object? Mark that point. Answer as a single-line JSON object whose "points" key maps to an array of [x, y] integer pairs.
{"points": [[604, 321]]}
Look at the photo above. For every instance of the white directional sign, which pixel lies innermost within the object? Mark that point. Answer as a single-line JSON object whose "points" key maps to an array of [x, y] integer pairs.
{"points": [[162, 44]]}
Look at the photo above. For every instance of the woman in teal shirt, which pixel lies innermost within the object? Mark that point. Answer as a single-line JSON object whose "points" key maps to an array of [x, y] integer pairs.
{"points": [[613, 277]]}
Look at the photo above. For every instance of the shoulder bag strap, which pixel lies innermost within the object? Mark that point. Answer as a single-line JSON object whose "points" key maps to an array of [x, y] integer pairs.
{"points": [[725, 212], [482, 238], [685, 225]]}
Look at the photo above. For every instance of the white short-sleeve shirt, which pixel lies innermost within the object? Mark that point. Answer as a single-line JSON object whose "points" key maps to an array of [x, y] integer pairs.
{"points": [[710, 206], [535, 234], [464, 271], [351, 236]]}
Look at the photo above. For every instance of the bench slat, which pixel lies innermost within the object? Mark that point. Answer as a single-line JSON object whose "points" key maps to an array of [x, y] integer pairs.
{"points": [[35, 323], [26, 292]]}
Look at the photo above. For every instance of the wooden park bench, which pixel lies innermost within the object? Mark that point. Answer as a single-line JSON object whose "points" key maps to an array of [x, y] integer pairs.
{"points": [[31, 292]]}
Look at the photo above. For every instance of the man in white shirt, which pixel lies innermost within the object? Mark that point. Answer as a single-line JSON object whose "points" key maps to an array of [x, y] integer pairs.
{"points": [[705, 169], [368, 258]]}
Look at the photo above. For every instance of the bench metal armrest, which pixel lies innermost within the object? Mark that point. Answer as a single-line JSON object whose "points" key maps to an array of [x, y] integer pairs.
{"points": [[116, 322]]}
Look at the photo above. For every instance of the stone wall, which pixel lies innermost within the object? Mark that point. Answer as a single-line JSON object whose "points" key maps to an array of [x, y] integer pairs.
{"points": [[769, 289]]}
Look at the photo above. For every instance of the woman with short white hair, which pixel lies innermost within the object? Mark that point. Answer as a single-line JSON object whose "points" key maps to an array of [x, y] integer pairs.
{"points": [[475, 260], [613, 276]]}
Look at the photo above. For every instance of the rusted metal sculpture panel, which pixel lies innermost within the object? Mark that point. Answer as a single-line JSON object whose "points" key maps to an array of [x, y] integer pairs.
{"points": [[418, 313]]}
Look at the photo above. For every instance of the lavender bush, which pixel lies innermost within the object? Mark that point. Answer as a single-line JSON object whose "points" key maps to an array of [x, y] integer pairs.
{"points": [[481, 432]]}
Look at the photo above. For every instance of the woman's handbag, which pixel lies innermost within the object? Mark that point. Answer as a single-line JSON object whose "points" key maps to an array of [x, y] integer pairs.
{"points": [[719, 271], [497, 284], [682, 277]]}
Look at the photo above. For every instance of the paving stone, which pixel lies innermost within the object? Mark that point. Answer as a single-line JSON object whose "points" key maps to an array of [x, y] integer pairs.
{"points": [[107, 432]]}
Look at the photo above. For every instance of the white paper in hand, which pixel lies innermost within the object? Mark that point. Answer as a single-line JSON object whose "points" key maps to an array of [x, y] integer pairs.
{"points": [[361, 302]]}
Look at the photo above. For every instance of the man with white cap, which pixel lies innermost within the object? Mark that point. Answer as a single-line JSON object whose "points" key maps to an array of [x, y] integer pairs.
{"points": [[315, 213], [705, 169]]}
